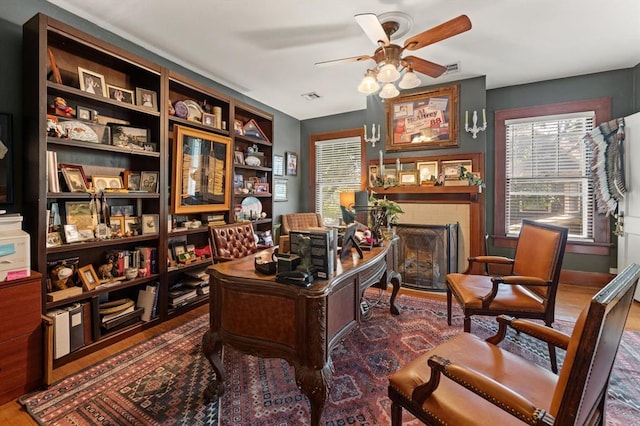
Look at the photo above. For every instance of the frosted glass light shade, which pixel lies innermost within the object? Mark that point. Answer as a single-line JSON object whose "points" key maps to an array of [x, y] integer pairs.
{"points": [[409, 81], [388, 73], [389, 91], [368, 85]]}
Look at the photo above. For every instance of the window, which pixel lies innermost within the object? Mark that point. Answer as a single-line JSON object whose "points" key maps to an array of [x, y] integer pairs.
{"points": [[337, 158], [547, 174], [542, 172]]}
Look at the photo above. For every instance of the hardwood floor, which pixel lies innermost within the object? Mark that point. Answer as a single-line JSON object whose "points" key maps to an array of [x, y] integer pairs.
{"points": [[571, 300]]}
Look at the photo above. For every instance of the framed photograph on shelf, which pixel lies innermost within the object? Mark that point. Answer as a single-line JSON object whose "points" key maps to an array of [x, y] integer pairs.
{"points": [[208, 119], [261, 188], [129, 136], [117, 225], [424, 120], [132, 225], [278, 165], [427, 171], [92, 82], [74, 177], [238, 157], [78, 213], [149, 181], [280, 190], [88, 277], [146, 98], [119, 94], [150, 224], [131, 180], [292, 163], [374, 171], [106, 182], [408, 177], [71, 234], [54, 239], [238, 127], [83, 113], [451, 169]]}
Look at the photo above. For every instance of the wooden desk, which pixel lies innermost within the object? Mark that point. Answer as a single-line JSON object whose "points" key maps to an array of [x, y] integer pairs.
{"points": [[259, 316]]}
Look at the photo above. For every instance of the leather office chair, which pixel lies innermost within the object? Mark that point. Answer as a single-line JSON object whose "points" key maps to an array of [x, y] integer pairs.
{"points": [[528, 291], [232, 241], [470, 381], [300, 222]]}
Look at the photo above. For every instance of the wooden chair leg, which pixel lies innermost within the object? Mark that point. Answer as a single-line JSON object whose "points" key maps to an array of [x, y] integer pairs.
{"points": [[467, 323], [553, 358], [396, 414], [448, 306]]}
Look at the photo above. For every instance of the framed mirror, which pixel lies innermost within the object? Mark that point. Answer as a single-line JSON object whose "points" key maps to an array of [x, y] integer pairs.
{"points": [[202, 164]]}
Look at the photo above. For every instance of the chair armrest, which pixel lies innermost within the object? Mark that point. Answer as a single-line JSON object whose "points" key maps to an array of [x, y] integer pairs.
{"points": [[539, 331], [486, 260], [483, 386], [510, 280]]}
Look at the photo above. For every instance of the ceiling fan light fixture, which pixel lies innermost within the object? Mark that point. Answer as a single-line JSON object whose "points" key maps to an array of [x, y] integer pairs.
{"points": [[368, 84], [388, 73], [389, 91], [409, 80]]}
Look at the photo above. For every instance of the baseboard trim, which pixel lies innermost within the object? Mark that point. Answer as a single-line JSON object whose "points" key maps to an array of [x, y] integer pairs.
{"points": [[585, 279]]}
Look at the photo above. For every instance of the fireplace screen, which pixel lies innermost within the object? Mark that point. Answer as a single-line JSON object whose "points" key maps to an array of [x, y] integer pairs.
{"points": [[427, 253]]}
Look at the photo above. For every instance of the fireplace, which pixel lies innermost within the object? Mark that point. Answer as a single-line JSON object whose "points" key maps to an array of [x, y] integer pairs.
{"points": [[427, 253]]}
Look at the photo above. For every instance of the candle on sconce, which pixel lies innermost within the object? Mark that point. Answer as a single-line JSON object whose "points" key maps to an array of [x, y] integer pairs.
{"points": [[379, 130], [397, 164], [466, 118], [484, 116], [365, 131], [380, 161]]}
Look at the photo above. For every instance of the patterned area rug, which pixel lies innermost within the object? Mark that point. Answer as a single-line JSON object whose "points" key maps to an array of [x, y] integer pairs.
{"points": [[161, 382]]}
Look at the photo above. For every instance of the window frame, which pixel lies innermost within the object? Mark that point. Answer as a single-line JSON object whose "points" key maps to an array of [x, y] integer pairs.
{"points": [[328, 136], [601, 223]]}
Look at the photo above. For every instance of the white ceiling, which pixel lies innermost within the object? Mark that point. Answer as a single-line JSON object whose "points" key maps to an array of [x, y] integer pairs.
{"points": [[267, 49]]}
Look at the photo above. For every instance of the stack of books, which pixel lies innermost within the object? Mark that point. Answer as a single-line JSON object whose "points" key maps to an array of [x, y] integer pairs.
{"points": [[180, 295]]}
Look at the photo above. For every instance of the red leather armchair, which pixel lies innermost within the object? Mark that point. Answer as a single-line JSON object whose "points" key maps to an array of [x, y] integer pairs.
{"points": [[232, 241]]}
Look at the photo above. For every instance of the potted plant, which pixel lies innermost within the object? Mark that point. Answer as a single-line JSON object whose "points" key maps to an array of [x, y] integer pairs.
{"points": [[389, 210]]}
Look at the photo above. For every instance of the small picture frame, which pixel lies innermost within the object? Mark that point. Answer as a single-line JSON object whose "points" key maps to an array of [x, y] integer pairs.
{"points": [[54, 239], [408, 177], [261, 188], [149, 181], [208, 119], [451, 169], [91, 82], [116, 224], [238, 157], [78, 213], [83, 113], [71, 234], [278, 165], [74, 177], [88, 277], [179, 249], [374, 173], [101, 183], [292, 163], [129, 136], [132, 225], [238, 127], [427, 171], [150, 224], [120, 94], [146, 98], [131, 180]]}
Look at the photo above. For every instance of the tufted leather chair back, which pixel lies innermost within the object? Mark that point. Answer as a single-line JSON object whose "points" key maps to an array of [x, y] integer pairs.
{"points": [[300, 222], [232, 241]]}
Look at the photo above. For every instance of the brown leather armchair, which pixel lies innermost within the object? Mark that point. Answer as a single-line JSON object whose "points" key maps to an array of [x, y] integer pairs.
{"points": [[527, 291], [470, 381], [232, 241], [300, 222]]}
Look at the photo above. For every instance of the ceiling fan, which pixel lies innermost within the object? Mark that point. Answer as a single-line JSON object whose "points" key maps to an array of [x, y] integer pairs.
{"points": [[388, 56]]}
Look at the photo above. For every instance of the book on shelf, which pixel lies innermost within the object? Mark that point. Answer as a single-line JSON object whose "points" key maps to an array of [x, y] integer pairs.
{"points": [[108, 317], [203, 290], [200, 274], [180, 295], [147, 299], [53, 181]]}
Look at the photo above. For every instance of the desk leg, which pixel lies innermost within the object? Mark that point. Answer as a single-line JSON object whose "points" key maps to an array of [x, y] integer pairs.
{"points": [[396, 280], [313, 384], [211, 346]]}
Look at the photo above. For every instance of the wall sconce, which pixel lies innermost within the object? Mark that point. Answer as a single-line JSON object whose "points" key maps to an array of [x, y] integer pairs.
{"points": [[474, 130], [373, 139]]}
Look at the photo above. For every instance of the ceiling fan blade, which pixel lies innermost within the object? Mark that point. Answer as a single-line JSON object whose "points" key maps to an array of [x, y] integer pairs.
{"points": [[423, 66], [445, 30], [337, 61], [372, 28]]}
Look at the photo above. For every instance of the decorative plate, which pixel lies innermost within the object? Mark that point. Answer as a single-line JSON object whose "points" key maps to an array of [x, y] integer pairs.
{"points": [[181, 109], [195, 111], [251, 205]]}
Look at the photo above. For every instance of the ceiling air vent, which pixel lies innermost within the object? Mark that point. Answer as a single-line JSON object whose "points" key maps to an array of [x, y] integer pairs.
{"points": [[452, 68], [311, 96]]}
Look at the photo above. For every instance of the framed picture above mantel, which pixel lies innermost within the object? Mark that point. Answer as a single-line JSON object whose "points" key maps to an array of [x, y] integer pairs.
{"points": [[423, 120]]}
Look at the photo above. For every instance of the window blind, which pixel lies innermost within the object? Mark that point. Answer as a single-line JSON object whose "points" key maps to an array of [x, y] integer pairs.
{"points": [[338, 169], [548, 178]]}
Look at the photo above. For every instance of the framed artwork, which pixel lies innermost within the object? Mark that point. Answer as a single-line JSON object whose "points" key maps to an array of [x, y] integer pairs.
{"points": [[117, 225], [106, 182], [54, 239], [208, 119], [124, 210], [132, 225], [88, 277], [127, 136], [6, 159], [408, 177], [427, 171], [150, 224], [149, 181], [278, 165], [374, 171], [131, 180], [74, 177], [238, 127], [424, 120], [78, 213], [83, 113], [451, 169], [261, 188], [71, 234], [92, 82], [120, 94], [146, 98], [292, 163], [280, 190], [238, 157]]}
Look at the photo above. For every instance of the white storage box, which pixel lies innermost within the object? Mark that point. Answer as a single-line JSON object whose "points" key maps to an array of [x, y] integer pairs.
{"points": [[10, 222], [15, 255]]}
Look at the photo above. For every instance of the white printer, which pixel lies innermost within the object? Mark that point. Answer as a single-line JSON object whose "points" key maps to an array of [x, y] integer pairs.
{"points": [[15, 250]]}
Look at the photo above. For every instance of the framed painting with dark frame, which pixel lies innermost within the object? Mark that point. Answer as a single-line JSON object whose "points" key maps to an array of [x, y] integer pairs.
{"points": [[131, 180], [423, 120], [120, 94], [88, 277], [149, 181], [146, 98], [6, 159], [74, 177], [92, 82], [292, 163]]}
